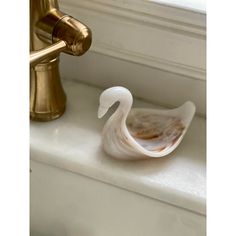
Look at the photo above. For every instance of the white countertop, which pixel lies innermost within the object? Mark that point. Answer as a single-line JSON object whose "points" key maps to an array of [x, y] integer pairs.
{"points": [[73, 143]]}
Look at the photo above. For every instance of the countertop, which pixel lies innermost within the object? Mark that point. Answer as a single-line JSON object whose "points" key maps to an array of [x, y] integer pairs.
{"points": [[73, 143]]}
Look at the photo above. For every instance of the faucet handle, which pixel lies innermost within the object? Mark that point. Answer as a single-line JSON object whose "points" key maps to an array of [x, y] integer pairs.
{"points": [[39, 55], [70, 36], [78, 37]]}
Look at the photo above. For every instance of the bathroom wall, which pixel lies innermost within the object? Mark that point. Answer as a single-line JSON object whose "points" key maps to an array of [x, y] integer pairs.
{"points": [[157, 51]]}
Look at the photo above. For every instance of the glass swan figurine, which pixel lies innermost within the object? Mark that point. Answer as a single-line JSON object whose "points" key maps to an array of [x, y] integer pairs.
{"points": [[139, 133]]}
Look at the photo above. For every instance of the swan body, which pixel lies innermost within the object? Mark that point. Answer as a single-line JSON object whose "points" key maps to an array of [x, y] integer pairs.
{"points": [[140, 133]]}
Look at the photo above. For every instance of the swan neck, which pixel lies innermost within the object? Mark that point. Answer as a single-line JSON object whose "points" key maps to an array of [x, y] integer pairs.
{"points": [[124, 108]]}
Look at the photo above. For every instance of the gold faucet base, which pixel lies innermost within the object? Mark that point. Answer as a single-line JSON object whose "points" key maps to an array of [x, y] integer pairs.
{"points": [[47, 97], [47, 116]]}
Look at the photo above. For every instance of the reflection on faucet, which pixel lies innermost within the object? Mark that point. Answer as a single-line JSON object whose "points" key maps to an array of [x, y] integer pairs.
{"points": [[51, 32]]}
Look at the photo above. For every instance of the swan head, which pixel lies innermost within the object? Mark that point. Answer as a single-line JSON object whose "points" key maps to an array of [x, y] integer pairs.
{"points": [[112, 95]]}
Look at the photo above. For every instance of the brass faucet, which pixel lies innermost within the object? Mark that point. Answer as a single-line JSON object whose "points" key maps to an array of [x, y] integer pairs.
{"points": [[51, 32]]}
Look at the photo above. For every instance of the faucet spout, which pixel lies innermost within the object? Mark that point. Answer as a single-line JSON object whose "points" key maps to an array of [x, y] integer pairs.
{"points": [[51, 32]]}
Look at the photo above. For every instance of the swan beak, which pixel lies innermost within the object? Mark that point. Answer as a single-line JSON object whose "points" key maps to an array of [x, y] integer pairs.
{"points": [[101, 111]]}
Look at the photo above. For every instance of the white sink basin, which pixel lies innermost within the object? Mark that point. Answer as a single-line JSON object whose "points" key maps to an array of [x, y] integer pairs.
{"points": [[76, 189]]}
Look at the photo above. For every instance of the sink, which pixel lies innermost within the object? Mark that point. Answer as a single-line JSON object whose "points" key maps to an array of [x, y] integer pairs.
{"points": [[76, 189]]}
